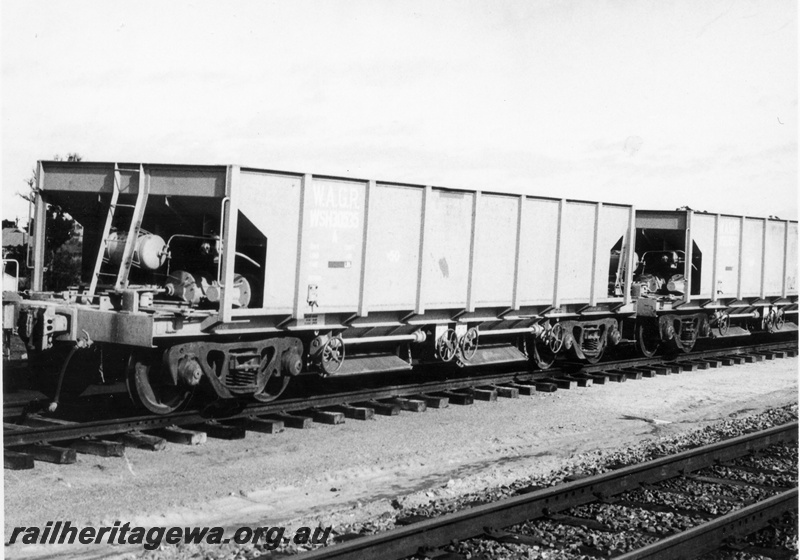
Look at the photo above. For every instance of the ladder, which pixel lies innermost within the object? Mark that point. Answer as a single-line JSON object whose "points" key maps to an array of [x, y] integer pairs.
{"points": [[133, 233]]}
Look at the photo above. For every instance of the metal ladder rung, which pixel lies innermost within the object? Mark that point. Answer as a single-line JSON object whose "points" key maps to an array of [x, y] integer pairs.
{"points": [[133, 231]]}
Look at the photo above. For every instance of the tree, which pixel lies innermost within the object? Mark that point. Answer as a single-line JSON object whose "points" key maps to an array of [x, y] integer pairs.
{"points": [[62, 246]]}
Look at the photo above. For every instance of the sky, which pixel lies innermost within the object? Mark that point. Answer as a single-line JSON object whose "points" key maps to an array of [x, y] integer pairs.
{"points": [[658, 104]]}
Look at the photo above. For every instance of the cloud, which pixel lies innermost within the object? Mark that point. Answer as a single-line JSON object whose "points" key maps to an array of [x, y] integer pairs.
{"points": [[616, 101]]}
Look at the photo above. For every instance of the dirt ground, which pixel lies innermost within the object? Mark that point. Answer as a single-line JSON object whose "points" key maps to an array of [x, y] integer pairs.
{"points": [[340, 474]]}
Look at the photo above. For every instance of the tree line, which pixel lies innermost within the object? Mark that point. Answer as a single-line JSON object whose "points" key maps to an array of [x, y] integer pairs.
{"points": [[63, 243]]}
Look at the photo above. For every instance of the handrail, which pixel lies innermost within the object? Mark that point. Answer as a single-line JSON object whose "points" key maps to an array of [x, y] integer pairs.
{"points": [[225, 200], [28, 246]]}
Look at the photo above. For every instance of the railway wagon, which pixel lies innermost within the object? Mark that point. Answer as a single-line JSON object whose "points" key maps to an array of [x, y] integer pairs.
{"points": [[702, 274], [235, 279]]}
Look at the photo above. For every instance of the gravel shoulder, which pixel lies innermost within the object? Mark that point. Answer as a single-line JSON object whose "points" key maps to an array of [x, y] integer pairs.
{"points": [[346, 474]]}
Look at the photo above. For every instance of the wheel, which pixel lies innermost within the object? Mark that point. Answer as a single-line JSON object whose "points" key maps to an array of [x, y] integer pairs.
{"points": [[277, 383], [542, 356], [682, 345], [273, 389], [150, 387], [647, 339], [447, 345], [332, 356], [468, 345]]}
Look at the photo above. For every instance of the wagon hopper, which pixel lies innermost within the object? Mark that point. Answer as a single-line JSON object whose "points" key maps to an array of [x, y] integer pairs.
{"points": [[235, 280], [699, 274]]}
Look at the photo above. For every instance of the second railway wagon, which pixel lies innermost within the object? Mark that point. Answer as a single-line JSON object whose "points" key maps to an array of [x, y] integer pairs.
{"points": [[238, 279], [701, 274]]}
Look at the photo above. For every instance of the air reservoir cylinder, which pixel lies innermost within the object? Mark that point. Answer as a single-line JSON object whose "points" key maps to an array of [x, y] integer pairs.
{"points": [[149, 253]]}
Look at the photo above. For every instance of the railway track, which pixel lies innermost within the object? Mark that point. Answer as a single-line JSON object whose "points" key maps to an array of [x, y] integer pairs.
{"points": [[534, 517], [37, 437]]}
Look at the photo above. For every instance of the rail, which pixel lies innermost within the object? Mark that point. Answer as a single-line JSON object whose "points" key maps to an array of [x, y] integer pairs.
{"points": [[474, 522], [60, 430]]}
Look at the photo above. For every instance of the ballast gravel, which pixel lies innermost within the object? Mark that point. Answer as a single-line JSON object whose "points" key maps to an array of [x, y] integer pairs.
{"points": [[595, 463], [699, 504], [785, 480], [630, 528]]}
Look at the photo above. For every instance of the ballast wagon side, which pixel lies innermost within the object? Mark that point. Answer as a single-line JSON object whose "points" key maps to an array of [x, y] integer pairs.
{"points": [[237, 279], [711, 275]]}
